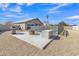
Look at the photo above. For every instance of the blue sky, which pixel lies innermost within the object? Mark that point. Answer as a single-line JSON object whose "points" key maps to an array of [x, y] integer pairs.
{"points": [[69, 12]]}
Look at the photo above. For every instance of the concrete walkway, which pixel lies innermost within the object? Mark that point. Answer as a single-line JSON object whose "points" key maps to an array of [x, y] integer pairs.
{"points": [[36, 40]]}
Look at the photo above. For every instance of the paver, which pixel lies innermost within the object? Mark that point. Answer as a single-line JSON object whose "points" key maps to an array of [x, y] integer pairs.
{"points": [[67, 46], [36, 40]]}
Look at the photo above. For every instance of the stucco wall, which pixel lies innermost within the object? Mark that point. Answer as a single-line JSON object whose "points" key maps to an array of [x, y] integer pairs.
{"points": [[75, 27], [33, 22], [67, 27], [24, 25]]}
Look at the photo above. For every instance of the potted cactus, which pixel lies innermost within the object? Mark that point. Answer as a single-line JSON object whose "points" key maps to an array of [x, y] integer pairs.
{"points": [[32, 32]]}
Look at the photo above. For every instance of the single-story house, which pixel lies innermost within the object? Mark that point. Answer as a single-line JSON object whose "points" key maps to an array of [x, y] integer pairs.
{"points": [[68, 27], [27, 23], [75, 27], [4, 27]]}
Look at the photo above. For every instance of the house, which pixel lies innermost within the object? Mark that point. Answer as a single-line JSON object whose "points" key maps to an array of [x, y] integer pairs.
{"points": [[75, 27], [27, 23], [4, 27]]}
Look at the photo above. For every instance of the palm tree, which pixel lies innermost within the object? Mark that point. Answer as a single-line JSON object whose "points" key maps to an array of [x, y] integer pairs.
{"points": [[47, 19]]}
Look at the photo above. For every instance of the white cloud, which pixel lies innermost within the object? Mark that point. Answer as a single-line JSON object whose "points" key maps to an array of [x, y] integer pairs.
{"points": [[17, 16], [16, 9], [4, 6], [11, 15], [20, 3], [51, 12], [55, 9], [29, 4], [58, 6], [73, 17], [4, 18], [7, 15]]}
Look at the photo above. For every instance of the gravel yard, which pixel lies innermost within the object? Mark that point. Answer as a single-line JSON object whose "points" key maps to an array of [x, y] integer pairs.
{"points": [[10, 45]]}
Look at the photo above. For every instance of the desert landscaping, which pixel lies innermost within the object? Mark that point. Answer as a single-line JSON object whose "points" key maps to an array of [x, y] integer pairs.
{"points": [[10, 45], [39, 29]]}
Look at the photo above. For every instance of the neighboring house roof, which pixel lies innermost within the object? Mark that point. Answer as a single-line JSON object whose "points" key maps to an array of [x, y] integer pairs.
{"points": [[4, 25], [1, 25], [28, 20]]}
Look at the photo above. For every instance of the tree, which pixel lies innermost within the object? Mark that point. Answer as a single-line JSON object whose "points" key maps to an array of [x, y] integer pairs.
{"points": [[47, 19], [62, 23], [51, 24]]}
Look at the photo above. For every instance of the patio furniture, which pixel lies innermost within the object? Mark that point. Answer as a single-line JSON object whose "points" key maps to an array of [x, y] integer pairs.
{"points": [[47, 34]]}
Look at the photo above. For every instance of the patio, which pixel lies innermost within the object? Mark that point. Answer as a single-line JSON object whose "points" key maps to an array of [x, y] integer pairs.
{"points": [[12, 46], [40, 41]]}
